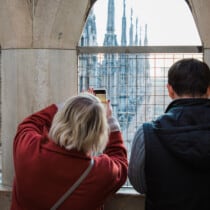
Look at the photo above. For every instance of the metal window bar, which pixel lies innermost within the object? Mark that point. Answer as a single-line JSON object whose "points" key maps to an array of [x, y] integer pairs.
{"points": [[135, 79]]}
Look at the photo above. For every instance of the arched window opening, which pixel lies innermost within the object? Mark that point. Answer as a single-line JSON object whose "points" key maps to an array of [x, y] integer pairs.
{"points": [[127, 47]]}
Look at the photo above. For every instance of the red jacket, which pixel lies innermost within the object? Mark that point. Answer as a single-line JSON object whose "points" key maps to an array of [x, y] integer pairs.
{"points": [[44, 171]]}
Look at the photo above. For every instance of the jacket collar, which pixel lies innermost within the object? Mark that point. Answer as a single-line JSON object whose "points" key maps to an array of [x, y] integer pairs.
{"points": [[184, 102]]}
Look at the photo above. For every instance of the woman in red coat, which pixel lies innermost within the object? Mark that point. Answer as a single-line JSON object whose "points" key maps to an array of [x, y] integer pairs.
{"points": [[52, 149]]}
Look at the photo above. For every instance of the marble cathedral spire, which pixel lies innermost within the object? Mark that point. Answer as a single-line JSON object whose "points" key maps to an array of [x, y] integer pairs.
{"points": [[147, 65], [136, 36], [123, 34], [131, 29], [110, 36], [145, 37], [89, 35], [140, 37]]}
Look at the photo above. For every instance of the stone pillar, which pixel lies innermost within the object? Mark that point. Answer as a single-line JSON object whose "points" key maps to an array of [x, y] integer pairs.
{"points": [[200, 11], [207, 56], [32, 79], [38, 40]]}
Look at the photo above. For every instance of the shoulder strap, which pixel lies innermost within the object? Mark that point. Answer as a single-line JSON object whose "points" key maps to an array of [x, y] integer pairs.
{"points": [[74, 186]]}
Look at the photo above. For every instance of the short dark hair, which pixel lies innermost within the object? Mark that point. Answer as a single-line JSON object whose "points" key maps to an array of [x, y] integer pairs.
{"points": [[189, 76]]}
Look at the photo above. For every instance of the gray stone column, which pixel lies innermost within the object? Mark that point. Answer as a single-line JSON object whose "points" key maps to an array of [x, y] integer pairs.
{"points": [[32, 79], [207, 55]]}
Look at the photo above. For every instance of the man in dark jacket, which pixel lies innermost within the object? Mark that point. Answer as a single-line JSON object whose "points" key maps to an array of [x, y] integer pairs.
{"points": [[170, 157]]}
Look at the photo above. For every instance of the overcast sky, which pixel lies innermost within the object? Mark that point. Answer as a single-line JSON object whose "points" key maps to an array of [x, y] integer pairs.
{"points": [[170, 22]]}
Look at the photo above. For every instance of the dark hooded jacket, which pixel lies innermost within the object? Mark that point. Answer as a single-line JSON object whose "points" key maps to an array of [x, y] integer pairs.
{"points": [[177, 164]]}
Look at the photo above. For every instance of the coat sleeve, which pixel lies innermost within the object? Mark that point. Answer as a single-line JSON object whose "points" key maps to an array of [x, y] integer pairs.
{"points": [[136, 171], [117, 154], [36, 124], [115, 148]]}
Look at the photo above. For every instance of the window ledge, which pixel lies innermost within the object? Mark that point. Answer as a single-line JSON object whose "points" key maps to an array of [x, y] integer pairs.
{"points": [[5, 197], [126, 199], [4, 188], [129, 191]]}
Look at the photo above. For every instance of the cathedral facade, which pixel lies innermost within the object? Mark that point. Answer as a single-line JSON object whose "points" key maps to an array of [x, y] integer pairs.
{"points": [[125, 76]]}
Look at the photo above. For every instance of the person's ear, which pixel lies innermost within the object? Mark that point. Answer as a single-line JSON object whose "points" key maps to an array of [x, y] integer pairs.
{"points": [[171, 92]]}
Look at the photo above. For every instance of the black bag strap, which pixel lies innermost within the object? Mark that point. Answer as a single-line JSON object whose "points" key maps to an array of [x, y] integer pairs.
{"points": [[74, 186]]}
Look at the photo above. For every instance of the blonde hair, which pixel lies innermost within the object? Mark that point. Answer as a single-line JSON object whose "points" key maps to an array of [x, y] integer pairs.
{"points": [[81, 124]]}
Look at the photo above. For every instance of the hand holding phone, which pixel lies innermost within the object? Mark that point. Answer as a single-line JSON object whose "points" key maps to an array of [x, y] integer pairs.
{"points": [[101, 94]]}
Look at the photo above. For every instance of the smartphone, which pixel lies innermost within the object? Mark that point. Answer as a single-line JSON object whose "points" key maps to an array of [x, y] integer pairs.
{"points": [[101, 94]]}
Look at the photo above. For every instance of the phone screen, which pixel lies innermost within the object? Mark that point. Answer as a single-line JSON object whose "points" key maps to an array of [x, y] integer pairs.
{"points": [[101, 94]]}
